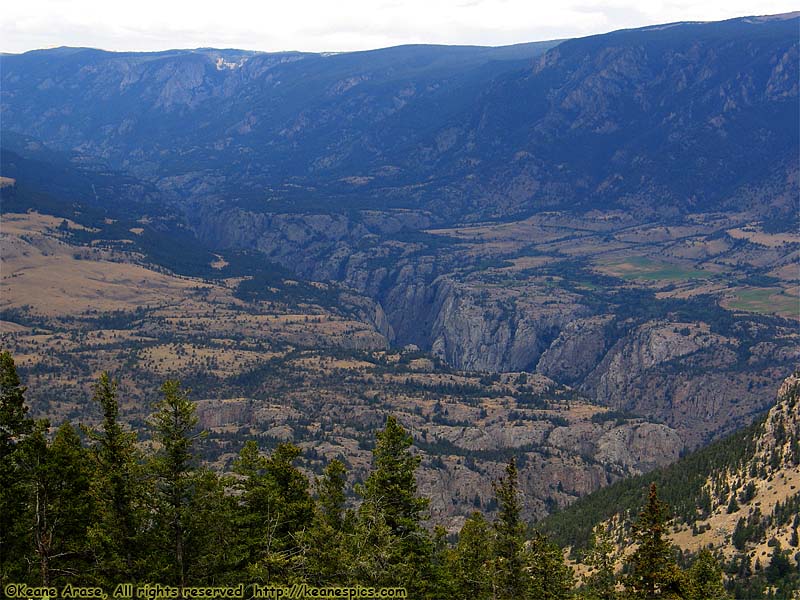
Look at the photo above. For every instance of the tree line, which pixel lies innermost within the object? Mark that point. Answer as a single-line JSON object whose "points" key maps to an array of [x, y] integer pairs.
{"points": [[98, 506]]}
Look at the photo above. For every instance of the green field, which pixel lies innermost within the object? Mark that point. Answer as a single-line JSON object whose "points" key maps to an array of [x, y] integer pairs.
{"points": [[766, 301], [644, 268]]}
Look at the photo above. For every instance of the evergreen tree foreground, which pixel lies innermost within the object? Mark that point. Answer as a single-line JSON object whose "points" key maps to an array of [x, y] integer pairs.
{"points": [[106, 508]]}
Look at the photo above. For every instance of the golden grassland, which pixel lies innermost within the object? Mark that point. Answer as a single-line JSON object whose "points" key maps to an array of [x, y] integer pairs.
{"points": [[47, 277], [776, 488], [753, 233], [174, 359]]}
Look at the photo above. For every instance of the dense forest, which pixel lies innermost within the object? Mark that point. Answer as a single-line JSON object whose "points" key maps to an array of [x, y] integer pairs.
{"points": [[99, 506]]}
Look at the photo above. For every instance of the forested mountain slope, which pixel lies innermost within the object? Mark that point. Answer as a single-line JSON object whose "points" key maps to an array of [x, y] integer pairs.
{"points": [[740, 496]]}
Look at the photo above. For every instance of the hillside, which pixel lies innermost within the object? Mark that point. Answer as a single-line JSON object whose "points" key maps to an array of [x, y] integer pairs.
{"points": [[676, 322], [740, 496]]}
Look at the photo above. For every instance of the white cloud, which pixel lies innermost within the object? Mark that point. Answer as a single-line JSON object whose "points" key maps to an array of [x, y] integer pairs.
{"points": [[317, 25]]}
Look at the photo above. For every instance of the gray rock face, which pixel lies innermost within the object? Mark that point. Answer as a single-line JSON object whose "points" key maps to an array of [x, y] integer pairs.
{"points": [[578, 348], [370, 312], [476, 329], [683, 374], [297, 241], [644, 446], [650, 345], [458, 321], [557, 463], [679, 372], [409, 301]]}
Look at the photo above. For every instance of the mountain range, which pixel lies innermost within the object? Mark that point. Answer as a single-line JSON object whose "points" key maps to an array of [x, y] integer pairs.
{"points": [[673, 118]]}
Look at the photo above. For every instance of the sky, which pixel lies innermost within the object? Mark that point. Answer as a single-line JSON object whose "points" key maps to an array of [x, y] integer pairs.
{"points": [[338, 26]]}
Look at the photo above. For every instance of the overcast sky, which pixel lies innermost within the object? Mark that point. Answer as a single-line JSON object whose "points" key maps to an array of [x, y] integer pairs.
{"points": [[331, 25]]}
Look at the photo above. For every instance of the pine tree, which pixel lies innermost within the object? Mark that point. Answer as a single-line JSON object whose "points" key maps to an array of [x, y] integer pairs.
{"points": [[14, 426], [600, 581], [442, 581], [73, 507], [276, 507], [173, 423], [374, 549], [59, 505], [392, 484], [116, 490], [326, 557], [550, 577], [297, 507], [779, 565], [290, 514], [705, 579], [331, 494], [13, 420], [211, 540], [256, 511], [653, 570], [510, 578], [471, 560], [392, 506]]}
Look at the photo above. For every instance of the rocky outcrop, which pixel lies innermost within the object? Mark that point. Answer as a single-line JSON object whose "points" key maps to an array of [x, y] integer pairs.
{"points": [[213, 413], [485, 329], [368, 311], [642, 447], [577, 350], [313, 245], [557, 464], [684, 374], [779, 442], [409, 300], [648, 346]]}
